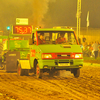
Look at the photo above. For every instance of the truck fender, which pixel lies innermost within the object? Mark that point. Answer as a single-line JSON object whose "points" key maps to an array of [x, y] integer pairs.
{"points": [[24, 64]]}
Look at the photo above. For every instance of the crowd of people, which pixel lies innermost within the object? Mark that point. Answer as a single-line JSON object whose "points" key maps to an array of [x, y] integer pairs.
{"points": [[91, 49]]}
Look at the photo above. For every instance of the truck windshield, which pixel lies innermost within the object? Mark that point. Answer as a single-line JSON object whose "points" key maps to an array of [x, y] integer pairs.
{"points": [[56, 37]]}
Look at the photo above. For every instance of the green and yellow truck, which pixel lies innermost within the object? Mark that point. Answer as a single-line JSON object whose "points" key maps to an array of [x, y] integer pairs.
{"points": [[18, 49], [52, 50], [15, 46]]}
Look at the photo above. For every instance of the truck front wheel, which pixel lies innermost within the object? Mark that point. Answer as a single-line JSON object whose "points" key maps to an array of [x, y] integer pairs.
{"points": [[51, 73], [39, 72], [76, 72]]}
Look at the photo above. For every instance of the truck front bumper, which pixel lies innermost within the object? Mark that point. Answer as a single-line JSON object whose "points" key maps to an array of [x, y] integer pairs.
{"points": [[61, 64]]}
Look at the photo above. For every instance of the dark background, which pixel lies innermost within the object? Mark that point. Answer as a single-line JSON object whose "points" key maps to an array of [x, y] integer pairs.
{"points": [[49, 13]]}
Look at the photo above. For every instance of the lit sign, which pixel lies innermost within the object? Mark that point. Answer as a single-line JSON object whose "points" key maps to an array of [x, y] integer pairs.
{"points": [[22, 29]]}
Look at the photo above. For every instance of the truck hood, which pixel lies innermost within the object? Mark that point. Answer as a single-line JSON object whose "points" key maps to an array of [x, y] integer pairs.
{"points": [[59, 48]]}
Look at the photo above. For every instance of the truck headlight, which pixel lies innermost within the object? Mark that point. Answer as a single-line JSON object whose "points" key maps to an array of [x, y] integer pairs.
{"points": [[78, 55], [46, 56]]}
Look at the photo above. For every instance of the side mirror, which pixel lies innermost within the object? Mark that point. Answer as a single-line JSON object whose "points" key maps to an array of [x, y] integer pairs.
{"points": [[31, 40], [33, 37]]}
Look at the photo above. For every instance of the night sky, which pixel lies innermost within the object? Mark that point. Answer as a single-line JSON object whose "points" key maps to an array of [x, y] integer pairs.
{"points": [[49, 13], [65, 12]]}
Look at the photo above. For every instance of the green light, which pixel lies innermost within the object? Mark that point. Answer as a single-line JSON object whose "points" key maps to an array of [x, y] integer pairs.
{"points": [[8, 27]]}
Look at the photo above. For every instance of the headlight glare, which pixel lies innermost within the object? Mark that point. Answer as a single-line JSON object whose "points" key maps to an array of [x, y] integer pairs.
{"points": [[78, 55], [46, 56]]}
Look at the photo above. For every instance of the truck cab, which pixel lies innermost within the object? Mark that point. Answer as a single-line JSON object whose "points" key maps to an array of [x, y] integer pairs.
{"points": [[55, 49]]}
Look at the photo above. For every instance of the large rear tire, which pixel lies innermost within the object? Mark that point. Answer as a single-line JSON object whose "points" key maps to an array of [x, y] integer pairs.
{"points": [[39, 72], [20, 71], [26, 72]]}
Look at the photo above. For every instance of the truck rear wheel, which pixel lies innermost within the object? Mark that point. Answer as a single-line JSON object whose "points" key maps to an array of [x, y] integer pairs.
{"points": [[39, 72], [76, 72]]}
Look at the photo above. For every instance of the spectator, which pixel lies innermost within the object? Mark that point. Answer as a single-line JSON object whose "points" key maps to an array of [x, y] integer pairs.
{"points": [[95, 49], [99, 52], [79, 40], [90, 49], [84, 39]]}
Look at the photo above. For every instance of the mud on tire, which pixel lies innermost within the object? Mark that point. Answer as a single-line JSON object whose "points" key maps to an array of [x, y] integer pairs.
{"points": [[39, 72], [21, 71]]}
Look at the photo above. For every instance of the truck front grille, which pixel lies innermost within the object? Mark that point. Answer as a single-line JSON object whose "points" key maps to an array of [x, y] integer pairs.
{"points": [[63, 55]]}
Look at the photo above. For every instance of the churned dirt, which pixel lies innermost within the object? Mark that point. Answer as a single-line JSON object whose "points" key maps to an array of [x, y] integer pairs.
{"points": [[93, 61], [63, 87]]}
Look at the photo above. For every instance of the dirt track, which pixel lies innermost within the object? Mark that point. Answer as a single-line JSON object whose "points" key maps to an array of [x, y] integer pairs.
{"points": [[64, 87]]}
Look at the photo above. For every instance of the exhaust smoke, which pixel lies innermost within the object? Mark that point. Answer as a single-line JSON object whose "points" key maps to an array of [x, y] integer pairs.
{"points": [[40, 8]]}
